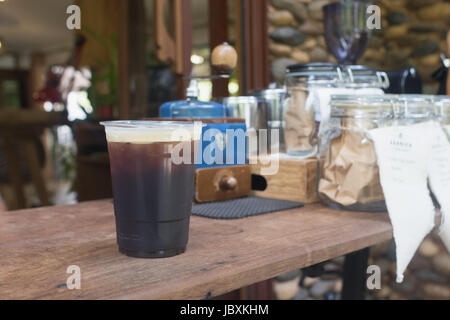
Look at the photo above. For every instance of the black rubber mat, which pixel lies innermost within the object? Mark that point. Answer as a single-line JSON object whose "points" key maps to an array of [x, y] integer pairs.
{"points": [[242, 208]]}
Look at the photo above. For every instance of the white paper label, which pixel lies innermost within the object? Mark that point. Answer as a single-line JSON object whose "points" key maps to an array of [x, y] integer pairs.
{"points": [[319, 99], [402, 154], [439, 176]]}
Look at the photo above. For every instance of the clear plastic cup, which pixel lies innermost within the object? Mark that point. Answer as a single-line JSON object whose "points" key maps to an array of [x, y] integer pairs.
{"points": [[152, 170]]}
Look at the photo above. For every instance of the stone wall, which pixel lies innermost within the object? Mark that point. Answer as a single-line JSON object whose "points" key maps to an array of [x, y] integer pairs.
{"points": [[412, 34]]}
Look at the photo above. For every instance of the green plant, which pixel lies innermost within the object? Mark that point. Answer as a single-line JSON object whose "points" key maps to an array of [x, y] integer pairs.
{"points": [[65, 155], [104, 81]]}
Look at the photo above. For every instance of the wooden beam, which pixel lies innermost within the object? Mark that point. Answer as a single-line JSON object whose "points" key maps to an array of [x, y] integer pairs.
{"points": [[237, 6], [104, 18], [218, 34], [137, 59], [164, 43], [253, 46], [183, 44], [37, 72], [124, 76], [177, 51]]}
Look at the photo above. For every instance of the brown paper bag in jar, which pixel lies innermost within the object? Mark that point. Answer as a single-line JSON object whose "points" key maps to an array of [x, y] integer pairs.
{"points": [[300, 123], [350, 173]]}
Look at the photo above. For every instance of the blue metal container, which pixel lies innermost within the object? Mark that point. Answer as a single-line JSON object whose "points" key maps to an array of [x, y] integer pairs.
{"points": [[222, 144], [223, 141], [192, 108]]}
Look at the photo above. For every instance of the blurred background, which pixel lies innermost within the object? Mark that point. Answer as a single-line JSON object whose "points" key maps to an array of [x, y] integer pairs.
{"points": [[108, 69], [129, 57]]}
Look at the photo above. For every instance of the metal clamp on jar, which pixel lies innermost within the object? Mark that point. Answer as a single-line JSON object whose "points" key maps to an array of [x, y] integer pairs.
{"points": [[444, 113], [359, 77], [415, 108], [360, 80]]}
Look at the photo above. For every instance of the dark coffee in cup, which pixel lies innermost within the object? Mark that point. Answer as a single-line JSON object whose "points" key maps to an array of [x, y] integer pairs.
{"points": [[152, 194]]}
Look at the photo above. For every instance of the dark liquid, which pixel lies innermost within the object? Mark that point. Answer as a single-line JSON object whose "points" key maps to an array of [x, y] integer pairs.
{"points": [[152, 198]]}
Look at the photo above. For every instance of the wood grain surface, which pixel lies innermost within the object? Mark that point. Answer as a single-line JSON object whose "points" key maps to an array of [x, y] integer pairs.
{"points": [[295, 180], [209, 187], [38, 245]]}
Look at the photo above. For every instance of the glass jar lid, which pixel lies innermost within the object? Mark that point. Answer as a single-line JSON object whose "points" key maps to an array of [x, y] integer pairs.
{"points": [[417, 106], [358, 76], [269, 93], [443, 105], [240, 100], [362, 106], [315, 72]]}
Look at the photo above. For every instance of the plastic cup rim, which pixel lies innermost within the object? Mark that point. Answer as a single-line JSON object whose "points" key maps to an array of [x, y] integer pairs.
{"points": [[148, 124]]}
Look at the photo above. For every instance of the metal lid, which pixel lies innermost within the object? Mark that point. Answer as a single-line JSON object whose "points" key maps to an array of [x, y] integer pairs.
{"points": [[379, 106], [269, 93], [312, 67], [417, 106], [352, 76], [443, 105], [240, 100], [323, 74], [358, 76]]}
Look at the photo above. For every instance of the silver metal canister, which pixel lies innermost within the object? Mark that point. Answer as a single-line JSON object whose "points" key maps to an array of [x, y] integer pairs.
{"points": [[276, 110], [255, 112]]}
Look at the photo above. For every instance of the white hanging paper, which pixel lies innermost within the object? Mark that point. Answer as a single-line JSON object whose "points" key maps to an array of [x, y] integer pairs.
{"points": [[444, 230], [439, 176], [319, 100], [402, 154]]}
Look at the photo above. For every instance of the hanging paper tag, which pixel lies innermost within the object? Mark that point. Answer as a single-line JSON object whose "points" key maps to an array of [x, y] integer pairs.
{"points": [[439, 176], [447, 131], [402, 155]]}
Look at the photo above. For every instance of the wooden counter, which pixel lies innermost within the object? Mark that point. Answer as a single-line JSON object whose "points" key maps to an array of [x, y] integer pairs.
{"points": [[38, 245]]}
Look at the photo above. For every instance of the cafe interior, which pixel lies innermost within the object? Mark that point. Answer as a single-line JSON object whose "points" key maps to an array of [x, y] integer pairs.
{"points": [[310, 79]]}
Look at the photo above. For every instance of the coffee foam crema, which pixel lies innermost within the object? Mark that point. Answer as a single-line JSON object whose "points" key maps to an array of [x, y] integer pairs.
{"points": [[150, 135]]}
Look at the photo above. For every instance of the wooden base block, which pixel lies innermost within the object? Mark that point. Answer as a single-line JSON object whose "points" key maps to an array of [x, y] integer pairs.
{"points": [[295, 180], [222, 183]]}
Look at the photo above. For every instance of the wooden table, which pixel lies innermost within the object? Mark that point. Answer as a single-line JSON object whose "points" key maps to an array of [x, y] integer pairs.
{"points": [[38, 245]]}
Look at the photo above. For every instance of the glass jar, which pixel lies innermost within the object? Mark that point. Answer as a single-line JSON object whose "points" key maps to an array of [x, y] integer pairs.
{"points": [[299, 121], [348, 176]]}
